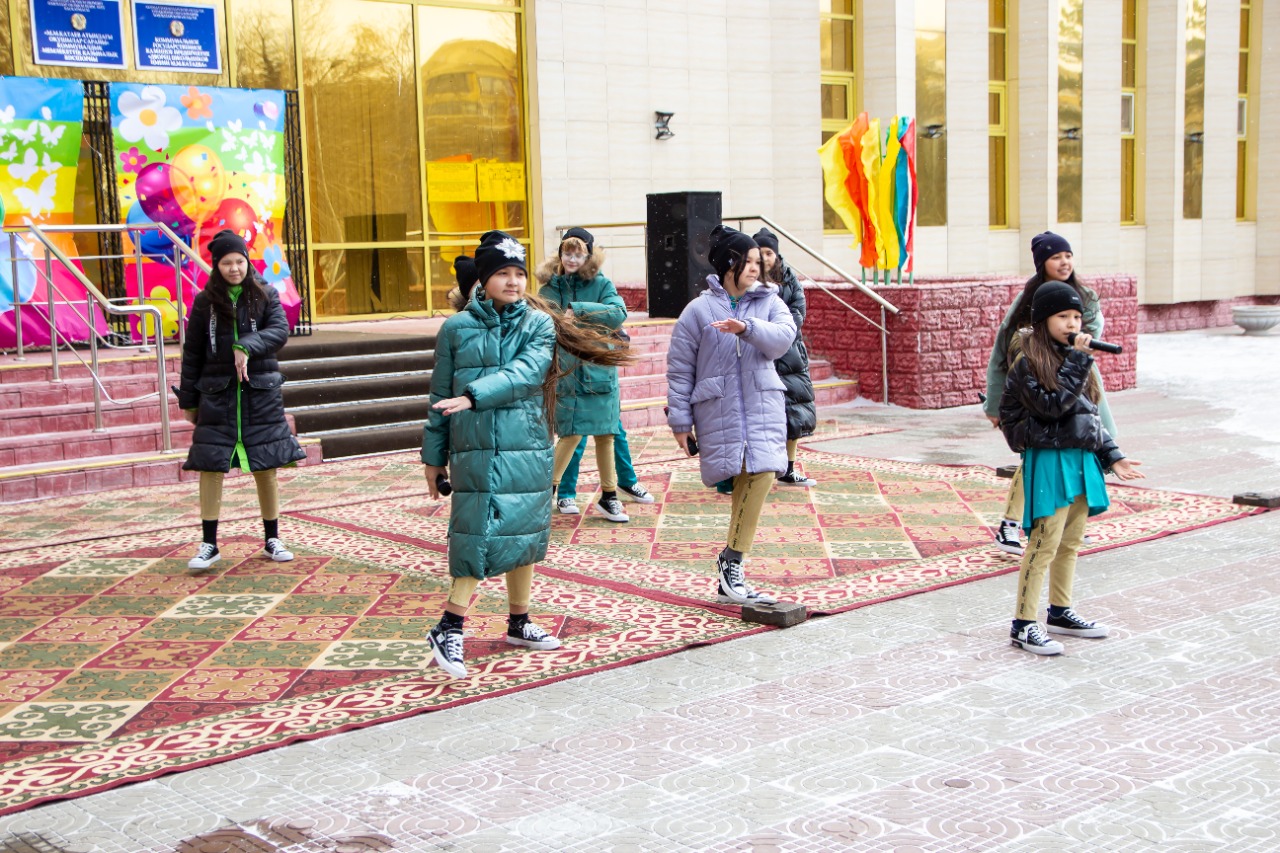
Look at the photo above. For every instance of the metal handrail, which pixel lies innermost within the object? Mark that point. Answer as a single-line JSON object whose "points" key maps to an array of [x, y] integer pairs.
{"points": [[95, 297], [885, 305]]}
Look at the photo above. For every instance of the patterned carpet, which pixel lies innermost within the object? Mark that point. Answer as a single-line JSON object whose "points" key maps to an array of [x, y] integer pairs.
{"points": [[118, 664]]}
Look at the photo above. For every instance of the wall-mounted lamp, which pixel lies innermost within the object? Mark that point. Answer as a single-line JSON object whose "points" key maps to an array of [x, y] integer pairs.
{"points": [[934, 131], [1072, 133], [660, 125], [1196, 137]]}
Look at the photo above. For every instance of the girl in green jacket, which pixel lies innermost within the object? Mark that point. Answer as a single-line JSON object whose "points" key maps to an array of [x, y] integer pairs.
{"points": [[493, 384]]}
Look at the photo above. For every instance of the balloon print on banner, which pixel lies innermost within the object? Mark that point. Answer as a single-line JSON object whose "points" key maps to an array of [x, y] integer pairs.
{"points": [[201, 159]]}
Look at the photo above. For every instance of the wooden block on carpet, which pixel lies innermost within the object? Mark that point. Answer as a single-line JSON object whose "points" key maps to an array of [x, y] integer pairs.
{"points": [[1270, 500], [784, 614], [1007, 471]]}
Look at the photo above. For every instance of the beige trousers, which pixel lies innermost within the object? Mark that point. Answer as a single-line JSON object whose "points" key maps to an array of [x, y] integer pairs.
{"points": [[519, 584], [211, 494], [1053, 546], [604, 460]]}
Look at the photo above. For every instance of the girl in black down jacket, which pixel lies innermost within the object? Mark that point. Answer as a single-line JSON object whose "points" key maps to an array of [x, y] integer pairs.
{"points": [[1049, 414], [230, 390], [793, 367]]}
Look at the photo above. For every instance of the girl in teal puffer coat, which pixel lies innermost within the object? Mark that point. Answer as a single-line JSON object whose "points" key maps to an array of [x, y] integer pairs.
{"points": [[493, 382], [589, 400]]}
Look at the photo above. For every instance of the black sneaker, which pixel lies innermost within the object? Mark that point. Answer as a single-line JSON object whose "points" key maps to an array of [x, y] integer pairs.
{"points": [[733, 587], [1033, 639], [446, 647], [1072, 625], [795, 478], [1009, 538], [205, 557], [531, 636], [611, 508], [275, 550], [637, 494]]}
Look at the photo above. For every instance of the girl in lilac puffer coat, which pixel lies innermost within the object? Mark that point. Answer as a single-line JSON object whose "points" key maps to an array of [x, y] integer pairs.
{"points": [[723, 386]]}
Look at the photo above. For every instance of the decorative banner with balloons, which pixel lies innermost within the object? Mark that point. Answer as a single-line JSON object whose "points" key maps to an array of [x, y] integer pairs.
{"points": [[201, 159], [41, 123]]}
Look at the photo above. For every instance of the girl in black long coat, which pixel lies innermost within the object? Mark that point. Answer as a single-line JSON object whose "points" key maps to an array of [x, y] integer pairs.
{"points": [[230, 390], [793, 367]]}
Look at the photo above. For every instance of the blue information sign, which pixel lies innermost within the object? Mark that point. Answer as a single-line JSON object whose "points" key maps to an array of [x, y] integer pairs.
{"points": [[176, 37], [84, 33]]}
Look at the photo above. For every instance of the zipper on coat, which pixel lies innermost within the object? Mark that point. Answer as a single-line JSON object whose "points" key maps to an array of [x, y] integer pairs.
{"points": [[742, 389], [239, 450]]}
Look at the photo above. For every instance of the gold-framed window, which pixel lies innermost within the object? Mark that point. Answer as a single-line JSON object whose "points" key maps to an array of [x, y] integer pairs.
{"points": [[1070, 110], [1193, 122], [931, 111], [998, 114], [1130, 74], [1249, 10], [839, 35]]}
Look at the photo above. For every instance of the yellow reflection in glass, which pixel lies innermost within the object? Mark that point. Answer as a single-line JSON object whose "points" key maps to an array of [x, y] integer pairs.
{"points": [[473, 127], [6, 42], [931, 111], [369, 281], [1070, 109], [263, 35], [1193, 130]]}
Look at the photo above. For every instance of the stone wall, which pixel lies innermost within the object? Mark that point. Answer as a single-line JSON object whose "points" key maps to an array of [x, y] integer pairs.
{"points": [[941, 340], [1194, 315]]}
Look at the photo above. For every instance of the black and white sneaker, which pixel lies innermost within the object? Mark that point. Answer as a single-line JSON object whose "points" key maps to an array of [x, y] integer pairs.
{"points": [[567, 506], [275, 550], [446, 647], [205, 557], [636, 494], [531, 636], [1009, 538], [1072, 625], [795, 478], [733, 587], [611, 508], [1088, 541], [1032, 638]]}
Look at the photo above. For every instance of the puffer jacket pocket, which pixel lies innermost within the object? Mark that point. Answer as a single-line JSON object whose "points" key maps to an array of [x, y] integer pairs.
{"points": [[711, 388], [212, 384], [767, 379], [265, 381]]}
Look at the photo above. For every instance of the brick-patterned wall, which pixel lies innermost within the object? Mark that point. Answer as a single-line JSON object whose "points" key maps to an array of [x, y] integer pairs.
{"points": [[939, 344], [1194, 315]]}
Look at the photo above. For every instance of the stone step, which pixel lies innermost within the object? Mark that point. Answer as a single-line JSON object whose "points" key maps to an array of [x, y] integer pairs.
{"points": [[38, 368], [318, 392], [57, 447], [123, 471]]}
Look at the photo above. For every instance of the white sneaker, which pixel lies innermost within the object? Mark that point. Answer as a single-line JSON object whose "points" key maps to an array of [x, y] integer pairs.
{"points": [[568, 506], [1032, 638], [205, 557], [611, 508], [446, 648], [1009, 538], [275, 550], [732, 587], [531, 636], [636, 494]]}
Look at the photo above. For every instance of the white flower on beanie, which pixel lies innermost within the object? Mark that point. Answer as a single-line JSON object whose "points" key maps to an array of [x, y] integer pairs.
{"points": [[511, 249]]}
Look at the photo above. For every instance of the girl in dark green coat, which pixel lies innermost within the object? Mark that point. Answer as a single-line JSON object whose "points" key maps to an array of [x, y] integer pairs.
{"points": [[589, 401], [493, 381]]}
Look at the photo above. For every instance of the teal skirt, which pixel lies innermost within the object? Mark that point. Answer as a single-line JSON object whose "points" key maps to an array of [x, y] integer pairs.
{"points": [[1052, 479]]}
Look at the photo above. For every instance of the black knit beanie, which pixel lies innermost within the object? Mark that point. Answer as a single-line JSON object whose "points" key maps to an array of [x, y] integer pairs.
{"points": [[1045, 245], [727, 245], [766, 239], [582, 234], [1054, 297], [464, 269], [226, 242], [497, 250]]}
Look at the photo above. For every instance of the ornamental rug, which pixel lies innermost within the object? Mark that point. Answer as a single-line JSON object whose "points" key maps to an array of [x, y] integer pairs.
{"points": [[872, 530], [118, 664], [339, 483]]}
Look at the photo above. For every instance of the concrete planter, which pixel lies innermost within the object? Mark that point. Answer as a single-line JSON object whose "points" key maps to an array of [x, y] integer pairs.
{"points": [[1255, 319]]}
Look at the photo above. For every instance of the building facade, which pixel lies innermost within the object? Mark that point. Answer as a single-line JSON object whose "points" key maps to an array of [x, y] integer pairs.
{"points": [[1143, 131]]}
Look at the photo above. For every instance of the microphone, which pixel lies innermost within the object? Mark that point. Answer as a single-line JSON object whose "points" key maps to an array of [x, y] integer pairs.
{"points": [[443, 486], [1100, 346]]}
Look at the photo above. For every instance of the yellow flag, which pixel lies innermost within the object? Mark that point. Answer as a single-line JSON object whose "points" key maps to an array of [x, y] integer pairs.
{"points": [[834, 174]]}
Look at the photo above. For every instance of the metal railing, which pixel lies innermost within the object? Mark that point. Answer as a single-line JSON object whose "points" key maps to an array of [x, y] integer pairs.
{"points": [[95, 301], [885, 305]]}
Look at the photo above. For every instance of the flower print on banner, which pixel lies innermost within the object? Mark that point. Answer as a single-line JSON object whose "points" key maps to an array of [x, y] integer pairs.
{"points": [[275, 268], [147, 118], [197, 103], [132, 160]]}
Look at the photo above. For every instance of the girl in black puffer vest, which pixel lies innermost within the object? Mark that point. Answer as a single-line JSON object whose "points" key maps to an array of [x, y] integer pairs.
{"points": [[230, 390], [793, 367], [1049, 414]]}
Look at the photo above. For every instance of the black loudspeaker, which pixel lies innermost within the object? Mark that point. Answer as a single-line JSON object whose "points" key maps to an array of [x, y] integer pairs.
{"points": [[676, 246]]}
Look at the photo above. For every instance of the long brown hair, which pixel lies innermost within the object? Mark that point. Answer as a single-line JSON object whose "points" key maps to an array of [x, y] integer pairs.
{"points": [[1045, 356], [1022, 319], [584, 341], [252, 289]]}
